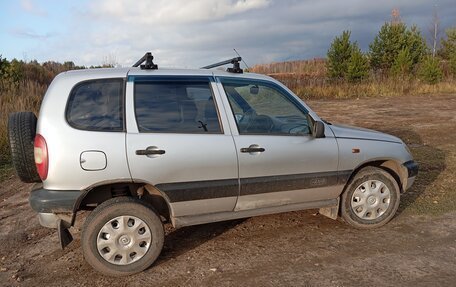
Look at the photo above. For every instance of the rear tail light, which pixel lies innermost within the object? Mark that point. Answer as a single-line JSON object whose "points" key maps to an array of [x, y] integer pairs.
{"points": [[41, 156]]}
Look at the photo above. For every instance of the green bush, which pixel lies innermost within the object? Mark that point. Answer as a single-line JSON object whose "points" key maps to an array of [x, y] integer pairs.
{"points": [[452, 63], [403, 64], [358, 66], [430, 70]]}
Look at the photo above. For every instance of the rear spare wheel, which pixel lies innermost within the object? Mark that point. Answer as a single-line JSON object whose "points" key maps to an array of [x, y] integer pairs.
{"points": [[21, 134]]}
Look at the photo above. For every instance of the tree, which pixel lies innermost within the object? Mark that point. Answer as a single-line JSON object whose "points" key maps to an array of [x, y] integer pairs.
{"points": [[448, 50], [430, 70], [339, 55], [434, 31], [3, 67], [358, 66], [391, 40], [403, 64], [452, 63], [449, 44]]}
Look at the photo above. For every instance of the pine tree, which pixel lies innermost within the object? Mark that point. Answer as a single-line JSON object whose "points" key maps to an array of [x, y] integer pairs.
{"points": [[403, 64], [391, 40], [430, 70], [339, 55], [448, 47], [448, 50], [358, 66]]}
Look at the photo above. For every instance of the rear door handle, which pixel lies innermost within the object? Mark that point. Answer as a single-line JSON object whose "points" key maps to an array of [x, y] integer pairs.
{"points": [[150, 152], [252, 148]]}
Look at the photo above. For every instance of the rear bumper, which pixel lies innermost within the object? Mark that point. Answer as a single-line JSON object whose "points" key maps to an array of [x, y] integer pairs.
{"points": [[53, 201], [53, 205]]}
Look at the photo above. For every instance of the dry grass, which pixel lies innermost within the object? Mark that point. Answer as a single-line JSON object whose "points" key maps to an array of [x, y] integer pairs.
{"points": [[308, 80], [26, 96]]}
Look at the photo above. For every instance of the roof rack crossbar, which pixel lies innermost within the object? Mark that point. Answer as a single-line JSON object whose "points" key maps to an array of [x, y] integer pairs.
{"points": [[149, 64], [235, 69]]}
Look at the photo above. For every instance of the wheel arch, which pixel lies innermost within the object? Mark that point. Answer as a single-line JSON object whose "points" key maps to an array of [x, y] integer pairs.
{"points": [[392, 166], [95, 195]]}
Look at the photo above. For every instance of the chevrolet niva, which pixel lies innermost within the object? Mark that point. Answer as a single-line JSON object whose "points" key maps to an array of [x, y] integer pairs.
{"points": [[143, 146]]}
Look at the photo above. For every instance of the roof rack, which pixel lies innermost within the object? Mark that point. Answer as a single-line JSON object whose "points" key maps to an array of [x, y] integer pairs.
{"points": [[235, 69], [149, 65]]}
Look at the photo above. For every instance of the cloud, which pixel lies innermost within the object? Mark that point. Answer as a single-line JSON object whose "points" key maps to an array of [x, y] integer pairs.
{"points": [[30, 7], [28, 33], [167, 12], [196, 33]]}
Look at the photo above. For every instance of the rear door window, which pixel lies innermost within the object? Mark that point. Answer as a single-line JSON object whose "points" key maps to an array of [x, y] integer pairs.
{"points": [[176, 107], [97, 105]]}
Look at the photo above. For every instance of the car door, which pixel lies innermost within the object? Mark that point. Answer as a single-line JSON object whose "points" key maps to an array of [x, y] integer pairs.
{"points": [[178, 143], [280, 162]]}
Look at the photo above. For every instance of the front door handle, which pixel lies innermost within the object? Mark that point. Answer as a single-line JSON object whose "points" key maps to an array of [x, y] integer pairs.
{"points": [[150, 151], [252, 148]]}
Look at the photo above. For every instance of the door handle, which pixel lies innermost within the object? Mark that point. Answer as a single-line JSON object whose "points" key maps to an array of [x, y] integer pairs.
{"points": [[149, 151], [252, 148]]}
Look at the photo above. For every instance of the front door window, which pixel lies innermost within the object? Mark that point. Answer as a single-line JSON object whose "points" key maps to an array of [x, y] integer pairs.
{"points": [[262, 108]]}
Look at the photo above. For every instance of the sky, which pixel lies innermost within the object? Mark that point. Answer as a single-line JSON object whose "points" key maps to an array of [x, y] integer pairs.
{"points": [[195, 33]]}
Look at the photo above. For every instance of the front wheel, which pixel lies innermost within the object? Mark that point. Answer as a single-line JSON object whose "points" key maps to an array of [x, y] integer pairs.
{"points": [[122, 236], [371, 198]]}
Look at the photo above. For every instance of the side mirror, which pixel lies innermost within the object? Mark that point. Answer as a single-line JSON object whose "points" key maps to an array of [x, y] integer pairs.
{"points": [[254, 90], [318, 130]]}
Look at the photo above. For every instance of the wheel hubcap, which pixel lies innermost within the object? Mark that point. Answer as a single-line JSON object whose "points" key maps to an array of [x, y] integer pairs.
{"points": [[370, 200], [124, 240]]}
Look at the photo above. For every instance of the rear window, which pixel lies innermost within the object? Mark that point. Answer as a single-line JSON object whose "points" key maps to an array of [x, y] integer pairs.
{"points": [[97, 105], [176, 107]]}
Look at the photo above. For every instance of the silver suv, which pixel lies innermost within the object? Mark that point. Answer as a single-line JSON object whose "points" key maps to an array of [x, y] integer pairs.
{"points": [[143, 146]]}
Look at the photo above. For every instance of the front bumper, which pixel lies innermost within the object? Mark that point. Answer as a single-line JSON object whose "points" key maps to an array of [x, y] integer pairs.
{"points": [[412, 172], [53, 205]]}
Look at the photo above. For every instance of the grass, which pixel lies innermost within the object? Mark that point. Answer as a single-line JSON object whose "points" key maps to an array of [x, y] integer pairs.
{"points": [[433, 192], [6, 170], [308, 80], [26, 96]]}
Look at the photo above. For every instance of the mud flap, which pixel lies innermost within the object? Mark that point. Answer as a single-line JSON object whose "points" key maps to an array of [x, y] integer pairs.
{"points": [[64, 234], [331, 211]]}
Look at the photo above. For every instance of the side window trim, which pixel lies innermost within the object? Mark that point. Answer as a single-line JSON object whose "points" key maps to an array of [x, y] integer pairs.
{"points": [[173, 79], [122, 101]]}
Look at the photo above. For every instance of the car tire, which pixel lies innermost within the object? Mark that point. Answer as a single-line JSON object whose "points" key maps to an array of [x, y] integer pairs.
{"points": [[112, 250], [21, 135], [370, 199]]}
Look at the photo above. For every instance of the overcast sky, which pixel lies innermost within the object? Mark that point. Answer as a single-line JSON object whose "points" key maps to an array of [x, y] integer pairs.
{"points": [[193, 33]]}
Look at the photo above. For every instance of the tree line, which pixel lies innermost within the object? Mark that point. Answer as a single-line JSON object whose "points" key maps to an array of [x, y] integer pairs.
{"points": [[14, 72], [396, 51]]}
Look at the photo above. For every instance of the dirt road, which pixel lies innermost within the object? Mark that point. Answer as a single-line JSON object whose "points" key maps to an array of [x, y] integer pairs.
{"points": [[418, 248]]}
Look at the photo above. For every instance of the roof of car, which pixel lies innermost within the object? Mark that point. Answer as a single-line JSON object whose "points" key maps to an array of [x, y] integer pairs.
{"points": [[133, 71]]}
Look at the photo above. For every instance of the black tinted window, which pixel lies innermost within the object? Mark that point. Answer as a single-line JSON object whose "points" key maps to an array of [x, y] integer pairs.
{"points": [[175, 107], [97, 105]]}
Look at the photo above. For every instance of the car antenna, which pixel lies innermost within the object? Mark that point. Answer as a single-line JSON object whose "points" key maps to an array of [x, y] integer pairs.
{"points": [[149, 64], [248, 68], [235, 69]]}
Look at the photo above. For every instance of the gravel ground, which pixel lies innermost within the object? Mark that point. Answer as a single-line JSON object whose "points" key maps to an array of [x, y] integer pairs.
{"points": [[417, 248]]}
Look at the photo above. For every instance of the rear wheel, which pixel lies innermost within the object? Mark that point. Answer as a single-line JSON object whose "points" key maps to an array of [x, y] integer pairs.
{"points": [[21, 134], [122, 236], [371, 198]]}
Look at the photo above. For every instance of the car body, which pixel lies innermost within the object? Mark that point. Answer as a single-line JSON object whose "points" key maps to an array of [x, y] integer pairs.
{"points": [[256, 149]]}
